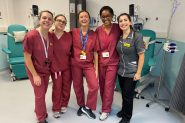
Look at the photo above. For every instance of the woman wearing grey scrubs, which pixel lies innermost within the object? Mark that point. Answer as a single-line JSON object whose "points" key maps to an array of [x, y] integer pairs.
{"points": [[131, 50]]}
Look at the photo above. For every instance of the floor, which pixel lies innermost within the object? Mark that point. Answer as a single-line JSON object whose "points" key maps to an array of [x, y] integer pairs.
{"points": [[17, 104]]}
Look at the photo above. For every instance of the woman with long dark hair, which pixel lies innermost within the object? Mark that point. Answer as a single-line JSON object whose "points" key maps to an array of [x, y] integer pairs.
{"points": [[131, 50]]}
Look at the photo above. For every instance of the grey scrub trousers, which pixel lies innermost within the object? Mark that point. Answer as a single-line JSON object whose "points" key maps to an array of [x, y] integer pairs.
{"points": [[128, 50]]}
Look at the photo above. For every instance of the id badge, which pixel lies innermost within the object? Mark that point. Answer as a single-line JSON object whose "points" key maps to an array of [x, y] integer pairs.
{"points": [[83, 57], [105, 54], [126, 45]]}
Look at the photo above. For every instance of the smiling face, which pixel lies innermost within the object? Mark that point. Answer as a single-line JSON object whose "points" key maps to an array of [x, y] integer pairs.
{"points": [[84, 19], [106, 17], [124, 22], [46, 20], [60, 23]]}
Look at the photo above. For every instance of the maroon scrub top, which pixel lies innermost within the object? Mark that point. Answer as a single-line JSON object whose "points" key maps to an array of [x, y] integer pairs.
{"points": [[33, 45], [92, 46], [62, 52], [108, 43]]}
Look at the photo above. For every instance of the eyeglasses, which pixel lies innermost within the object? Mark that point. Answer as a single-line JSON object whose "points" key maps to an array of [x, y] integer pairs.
{"points": [[61, 21]]}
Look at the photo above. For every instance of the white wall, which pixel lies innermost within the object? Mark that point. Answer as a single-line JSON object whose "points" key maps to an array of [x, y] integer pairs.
{"points": [[177, 31], [23, 9], [6, 9], [147, 8], [18, 11]]}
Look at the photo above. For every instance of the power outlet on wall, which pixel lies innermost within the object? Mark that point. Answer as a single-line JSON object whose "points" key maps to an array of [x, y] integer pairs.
{"points": [[147, 19]]}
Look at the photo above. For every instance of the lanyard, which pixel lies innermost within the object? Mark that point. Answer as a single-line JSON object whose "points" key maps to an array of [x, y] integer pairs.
{"points": [[46, 46], [84, 41]]}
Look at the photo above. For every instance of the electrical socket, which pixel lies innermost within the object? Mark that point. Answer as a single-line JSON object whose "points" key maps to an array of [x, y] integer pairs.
{"points": [[147, 19]]}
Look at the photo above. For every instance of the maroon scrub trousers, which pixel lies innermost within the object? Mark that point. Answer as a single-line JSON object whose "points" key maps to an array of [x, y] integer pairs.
{"points": [[33, 45]]}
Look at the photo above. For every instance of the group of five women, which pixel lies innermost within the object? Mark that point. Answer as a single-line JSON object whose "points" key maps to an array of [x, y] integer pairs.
{"points": [[98, 55]]}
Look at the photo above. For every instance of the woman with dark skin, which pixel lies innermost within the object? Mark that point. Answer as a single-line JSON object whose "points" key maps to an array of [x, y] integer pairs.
{"points": [[108, 35]]}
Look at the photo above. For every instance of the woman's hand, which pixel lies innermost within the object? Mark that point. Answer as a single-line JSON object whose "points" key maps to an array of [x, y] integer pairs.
{"points": [[29, 63], [137, 77], [96, 72], [96, 63], [37, 80]]}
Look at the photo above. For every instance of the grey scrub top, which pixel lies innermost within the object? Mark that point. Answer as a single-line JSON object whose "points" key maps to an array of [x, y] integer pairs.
{"points": [[128, 50]]}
